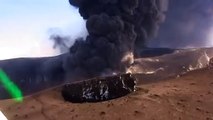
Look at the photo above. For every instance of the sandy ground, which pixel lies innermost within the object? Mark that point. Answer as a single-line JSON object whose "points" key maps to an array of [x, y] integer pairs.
{"points": [[189, 97]]}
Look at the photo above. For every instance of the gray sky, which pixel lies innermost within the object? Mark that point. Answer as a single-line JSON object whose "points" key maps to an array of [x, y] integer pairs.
{"points": [[27, 24], [188, 24]]}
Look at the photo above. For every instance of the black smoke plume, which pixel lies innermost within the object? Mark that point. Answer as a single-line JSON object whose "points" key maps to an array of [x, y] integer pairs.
{"points": [[111, 37], [117, 30]]}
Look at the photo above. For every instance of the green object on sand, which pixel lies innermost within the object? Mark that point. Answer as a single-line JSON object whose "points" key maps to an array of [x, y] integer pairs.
{"points": [[11, 87]]}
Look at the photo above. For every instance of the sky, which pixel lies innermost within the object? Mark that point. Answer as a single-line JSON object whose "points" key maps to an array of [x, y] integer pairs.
{"points": [[25, 26]]}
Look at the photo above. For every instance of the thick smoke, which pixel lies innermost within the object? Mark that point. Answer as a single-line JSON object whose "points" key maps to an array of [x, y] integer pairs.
{"points": [[111, 37], [117, 30], [147, 18]]}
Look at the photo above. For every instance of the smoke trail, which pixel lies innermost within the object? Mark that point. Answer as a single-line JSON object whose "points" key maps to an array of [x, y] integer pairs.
{"points": [[61, 43]]}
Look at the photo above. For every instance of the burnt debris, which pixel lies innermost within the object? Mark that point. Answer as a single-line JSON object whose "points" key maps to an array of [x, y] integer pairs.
{"points": [[99, 89]]}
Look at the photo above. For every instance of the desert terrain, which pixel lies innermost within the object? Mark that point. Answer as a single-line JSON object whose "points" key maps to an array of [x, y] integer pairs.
{"points": [[188, 97]]}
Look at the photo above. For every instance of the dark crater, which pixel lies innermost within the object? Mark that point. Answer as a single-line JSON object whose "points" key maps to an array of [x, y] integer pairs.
{"points": [[99, 89]]}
